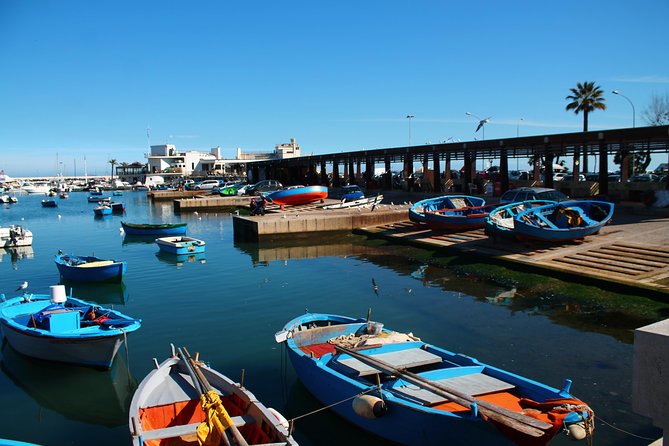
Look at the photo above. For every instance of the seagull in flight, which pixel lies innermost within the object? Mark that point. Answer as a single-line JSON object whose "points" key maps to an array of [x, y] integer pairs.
{"points": [[23, 286], [482, 122]]}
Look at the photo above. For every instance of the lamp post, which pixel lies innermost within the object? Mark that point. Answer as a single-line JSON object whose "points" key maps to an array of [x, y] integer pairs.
{"points": [[628, 100], [409, 117], [482, 123]]}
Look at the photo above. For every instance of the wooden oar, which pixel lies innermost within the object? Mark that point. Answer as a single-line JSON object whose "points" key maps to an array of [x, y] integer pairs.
{"points": [[206, 387], [527, 425], [198, 387]]}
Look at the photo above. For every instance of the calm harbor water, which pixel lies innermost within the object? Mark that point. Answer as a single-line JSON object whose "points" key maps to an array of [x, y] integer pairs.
{"points": [[229, 303]]}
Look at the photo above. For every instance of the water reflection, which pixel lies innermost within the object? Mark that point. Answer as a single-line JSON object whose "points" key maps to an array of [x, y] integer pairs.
{"points": [[17, 254], [139, 239], [584, 307], [180, 259], [102, 293], [77, 393]]}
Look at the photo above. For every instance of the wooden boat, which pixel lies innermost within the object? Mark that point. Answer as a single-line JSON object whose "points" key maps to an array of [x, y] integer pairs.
{"points": [[102, 210], [56, 327], [89, 268], [458, 219], [563, 221], [48, 203], [180, 245], [500, 221], [98, 199], [296, 195], [64, 195], [417, 211], [167, 408], [411, 392], [161, 229], [361, 203], [14, 236]]}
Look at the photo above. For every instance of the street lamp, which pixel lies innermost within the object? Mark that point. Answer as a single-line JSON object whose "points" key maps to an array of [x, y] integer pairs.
{"points": [[409, 118], [628, 100], [518, 127], [482, 122]]}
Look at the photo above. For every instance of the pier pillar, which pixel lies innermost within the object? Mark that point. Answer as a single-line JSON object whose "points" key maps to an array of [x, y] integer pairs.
{"points": [[389, 173], [504, 169], [324, 175], [650, 387], [436, 181], [357, 171], [469, 161], [335, 174], [548, 167], [603, 169]]}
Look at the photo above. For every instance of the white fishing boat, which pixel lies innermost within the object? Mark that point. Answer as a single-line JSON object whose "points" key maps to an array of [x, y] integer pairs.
{"points": [[361, 203]]}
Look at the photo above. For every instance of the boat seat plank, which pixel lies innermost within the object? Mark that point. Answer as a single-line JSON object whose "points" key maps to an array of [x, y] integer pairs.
{"points": [[473, 384], [401, 359], [188, 429], [96, 264]]}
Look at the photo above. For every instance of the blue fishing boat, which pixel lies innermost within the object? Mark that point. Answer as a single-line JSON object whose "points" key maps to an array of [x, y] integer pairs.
{"points": [[417, 211], [57, 327], [102, 210], [296, 195], [458, 219], [180, 245], [98, 199], [501, 221], [117, 193], [563, 221], [48, 203], [159, 229], [89, 268], [411, 392]]}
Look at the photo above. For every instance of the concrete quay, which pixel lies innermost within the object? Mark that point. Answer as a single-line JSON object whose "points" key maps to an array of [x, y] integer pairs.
{"points": [[308, 220], [168, 195]]}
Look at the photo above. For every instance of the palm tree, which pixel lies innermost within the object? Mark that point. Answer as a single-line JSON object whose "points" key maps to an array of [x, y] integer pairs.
{"points": [[586, 98], [113, 162]]}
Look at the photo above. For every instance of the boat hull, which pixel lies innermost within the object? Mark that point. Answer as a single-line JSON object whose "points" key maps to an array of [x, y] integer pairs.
{"points": [[73, 340], [102, 210], [181, 245], [501, 221], [458, 219], [86, 271], [92, 352], [544, 224], [298, 195], [414, 414], [170, 386], [155, 229], [417, 211]]}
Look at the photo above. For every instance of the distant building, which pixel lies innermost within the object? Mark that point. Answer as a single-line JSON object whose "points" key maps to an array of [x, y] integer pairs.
{"points": [[167, 161]]}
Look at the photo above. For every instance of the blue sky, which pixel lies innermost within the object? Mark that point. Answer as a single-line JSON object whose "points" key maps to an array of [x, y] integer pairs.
{"points": [[84, 79]]}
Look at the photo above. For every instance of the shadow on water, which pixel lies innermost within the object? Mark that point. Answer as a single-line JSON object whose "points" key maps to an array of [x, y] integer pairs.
{"points": [[181, 259], [102, 397], [102, 293], [576, 305], [139, 239]]}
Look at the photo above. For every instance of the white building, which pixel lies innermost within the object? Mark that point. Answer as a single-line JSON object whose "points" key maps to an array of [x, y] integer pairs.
{"points": [[165, 160]]}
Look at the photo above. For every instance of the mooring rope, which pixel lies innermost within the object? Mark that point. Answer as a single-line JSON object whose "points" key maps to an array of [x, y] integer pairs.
{"points": [[292, 420], [624, 431]]}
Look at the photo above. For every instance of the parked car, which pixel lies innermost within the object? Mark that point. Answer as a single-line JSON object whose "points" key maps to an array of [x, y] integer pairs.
{"points": [[263, 186], [570, 177], [531, 193], [351, 192], [559, 176], [206, 185], [643, 178]]}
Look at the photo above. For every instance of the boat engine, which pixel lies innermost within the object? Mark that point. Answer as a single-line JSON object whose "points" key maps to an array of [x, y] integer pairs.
{"points": [[368, 406]]}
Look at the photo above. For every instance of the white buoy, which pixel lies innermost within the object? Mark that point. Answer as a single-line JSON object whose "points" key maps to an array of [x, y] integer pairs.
{"points": [[58, 295], [370, 407], [576, 431]]}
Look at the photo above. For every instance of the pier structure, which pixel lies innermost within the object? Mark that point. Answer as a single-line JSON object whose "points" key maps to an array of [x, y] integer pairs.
{"points": [[359, 166]]}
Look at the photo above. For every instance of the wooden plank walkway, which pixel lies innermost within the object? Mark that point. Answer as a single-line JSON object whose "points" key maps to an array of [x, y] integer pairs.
{"points": [[625, 254]]}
